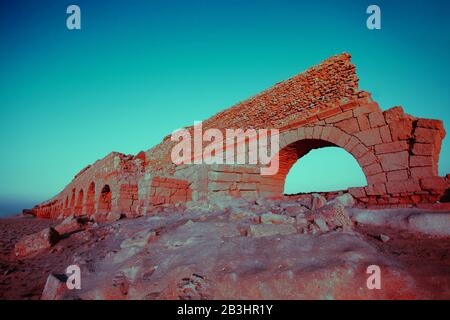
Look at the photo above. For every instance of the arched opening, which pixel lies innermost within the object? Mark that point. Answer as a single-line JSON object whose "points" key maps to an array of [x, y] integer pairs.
{"points": [[90, 199], [294, 146], [79, 206], [66, 203], [104, 202], [322, 170], [72, 200]]}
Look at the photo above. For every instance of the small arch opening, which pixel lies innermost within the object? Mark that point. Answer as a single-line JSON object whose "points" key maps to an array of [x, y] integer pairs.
{"points": [[90, 199], [72, 200], [105, 199], [79, 206]]}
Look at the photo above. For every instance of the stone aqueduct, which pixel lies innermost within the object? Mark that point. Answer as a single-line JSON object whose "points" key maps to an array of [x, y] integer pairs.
{"points": [[320, 107]]}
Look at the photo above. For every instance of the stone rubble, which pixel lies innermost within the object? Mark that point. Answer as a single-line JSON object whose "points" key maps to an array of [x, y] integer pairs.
{"points": [[36, 243]]}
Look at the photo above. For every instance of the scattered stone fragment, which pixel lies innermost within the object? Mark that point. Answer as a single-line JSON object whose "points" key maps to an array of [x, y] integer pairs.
{"points": [[318, 201], [69, 225], [305, 200], [336, 217], [55, 287], [301, 223], [241, 214], [346, 200], [295, 210], [270, 218], [320, 222], [140, 239], [113, 216], [266, 230], [384, 238], [36, 243]]}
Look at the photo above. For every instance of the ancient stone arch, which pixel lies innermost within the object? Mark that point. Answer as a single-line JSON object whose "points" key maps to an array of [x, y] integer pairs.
{"points": [[296, 143], [105, 199], [90, 199], [72, 200], [320, 107], [79, 204]]}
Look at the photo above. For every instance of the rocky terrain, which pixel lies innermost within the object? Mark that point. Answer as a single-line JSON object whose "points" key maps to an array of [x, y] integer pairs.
{"points": [[302, 247]]}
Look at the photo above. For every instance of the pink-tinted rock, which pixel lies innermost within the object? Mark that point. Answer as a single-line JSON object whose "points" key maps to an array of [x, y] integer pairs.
{"points": [[69, 225], [434, 183], [401, 129], [394, 161], [267, 230], [55, 287], [36, 243], [318, 201], [270, 218]]}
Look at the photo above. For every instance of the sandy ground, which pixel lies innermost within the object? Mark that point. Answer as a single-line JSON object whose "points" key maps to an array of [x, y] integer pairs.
{"points": [[426, 258], [18, 279]]}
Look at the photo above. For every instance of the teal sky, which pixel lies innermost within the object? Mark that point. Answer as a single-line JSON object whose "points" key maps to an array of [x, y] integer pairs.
{"points": [[139, 69]]}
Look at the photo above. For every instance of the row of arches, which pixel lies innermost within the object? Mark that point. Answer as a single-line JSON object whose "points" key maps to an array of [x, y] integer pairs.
{"points": [[81, 202]]}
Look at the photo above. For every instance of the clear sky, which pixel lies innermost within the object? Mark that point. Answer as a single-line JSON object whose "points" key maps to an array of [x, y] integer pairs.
{"points": [[139, 69]]}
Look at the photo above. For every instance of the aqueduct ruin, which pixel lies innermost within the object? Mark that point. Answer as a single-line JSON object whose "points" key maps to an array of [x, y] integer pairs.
{"points": [[320, 107]]}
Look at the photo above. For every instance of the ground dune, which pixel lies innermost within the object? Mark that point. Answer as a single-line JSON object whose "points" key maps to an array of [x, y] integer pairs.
{"points": [[290, 249]]}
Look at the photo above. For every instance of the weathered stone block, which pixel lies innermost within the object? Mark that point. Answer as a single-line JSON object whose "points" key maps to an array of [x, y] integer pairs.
{"points": [[373, 169], [367, 159], [367, 108], [401, 129], [358, 192], [424, 135], [434, 183], [55, 287], [423, 172], [267, 230], [391, 147], [420, 161], [349, 126], [328, 113], [397, 175], [339, 117], [377, 178], [406, 186], [36, 243], [69, 225], [394, 161], [376, 119], [385, 133], [359, 150], [376, 189], [394, 114], [370, 137], [270, 218], [363, 122], [431, 124]]}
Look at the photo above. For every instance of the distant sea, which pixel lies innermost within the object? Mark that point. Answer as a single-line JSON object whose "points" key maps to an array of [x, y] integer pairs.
{"points": [[9, 208]]}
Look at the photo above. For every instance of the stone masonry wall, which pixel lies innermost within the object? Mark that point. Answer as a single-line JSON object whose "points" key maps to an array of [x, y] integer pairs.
{"points": [[169, 191], [398, 154]]}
